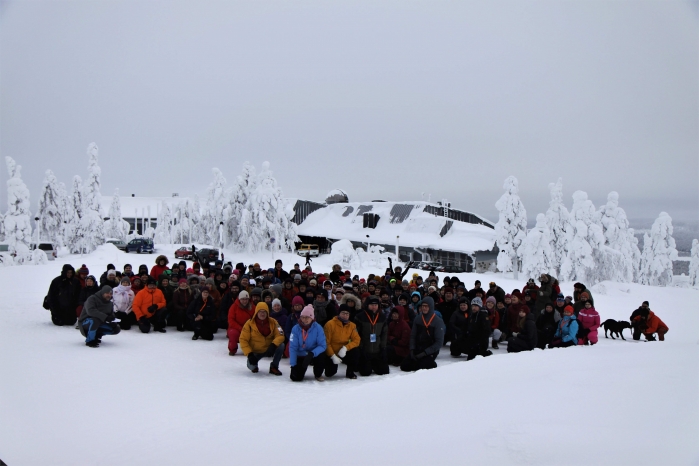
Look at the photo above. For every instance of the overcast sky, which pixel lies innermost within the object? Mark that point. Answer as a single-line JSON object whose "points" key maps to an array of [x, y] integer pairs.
{"points": [[385, 100]]}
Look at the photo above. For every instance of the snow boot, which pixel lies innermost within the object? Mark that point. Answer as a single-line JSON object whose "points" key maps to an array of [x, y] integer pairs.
{"points": [[320, 379], [274, 370], [495, 344], [195, 336], [160, 329], [93, 344]]}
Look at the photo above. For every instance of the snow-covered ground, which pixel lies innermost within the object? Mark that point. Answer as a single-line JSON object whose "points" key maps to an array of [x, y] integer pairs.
{"points": [[164, 399]]}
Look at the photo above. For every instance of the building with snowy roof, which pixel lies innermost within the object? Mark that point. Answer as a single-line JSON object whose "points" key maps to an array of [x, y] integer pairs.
{"points": [[141, 212]]}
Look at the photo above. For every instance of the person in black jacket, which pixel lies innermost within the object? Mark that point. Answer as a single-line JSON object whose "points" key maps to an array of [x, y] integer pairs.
{"points": [[478, 331], [546, 325], [63, 295], [527, 338], [426, 339], [373, 332], [202, 315], [458, 325], [447, 308]]}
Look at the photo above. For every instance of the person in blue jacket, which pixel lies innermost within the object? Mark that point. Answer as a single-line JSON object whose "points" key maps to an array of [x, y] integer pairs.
{"points": [[306, 344], [567, 331]]}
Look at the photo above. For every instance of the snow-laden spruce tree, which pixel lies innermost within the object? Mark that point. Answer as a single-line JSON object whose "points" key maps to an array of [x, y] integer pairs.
{"points": [[92, 221], [511, 228], [216, 201], [75, 233], [621, 266], [536, 251], [633, 241], [658, 253], [196, 232], [694, 264], [164, 228], [584, 239], [116, 227], [558, 220], [243, 187], [50, 211], [271, 214], [17, 221]]}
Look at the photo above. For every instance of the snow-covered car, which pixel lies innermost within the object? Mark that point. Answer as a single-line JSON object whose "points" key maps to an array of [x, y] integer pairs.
{"points": [[454, 269], [47, 248], [121, 245], [140, 245], [310, 249], [431, 265], [183, 253]]}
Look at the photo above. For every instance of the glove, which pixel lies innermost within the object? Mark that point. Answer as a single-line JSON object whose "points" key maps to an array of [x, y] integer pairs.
{"points": [[514, 334], [421, 355], [153, 308], [143, 320], [394, 341], [110, 318], [271, 350], [335, 359], [343, 352], [309, 357]]}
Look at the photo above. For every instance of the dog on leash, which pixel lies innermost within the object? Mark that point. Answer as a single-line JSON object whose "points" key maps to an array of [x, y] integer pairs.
{"points": [[614, 326]]}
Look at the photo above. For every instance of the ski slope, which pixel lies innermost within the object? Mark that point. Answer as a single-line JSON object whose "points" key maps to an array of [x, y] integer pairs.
{"points": [[165, 399]]}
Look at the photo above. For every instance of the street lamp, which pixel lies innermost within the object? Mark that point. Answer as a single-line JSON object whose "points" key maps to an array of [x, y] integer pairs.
{"points": [[368, 245]]}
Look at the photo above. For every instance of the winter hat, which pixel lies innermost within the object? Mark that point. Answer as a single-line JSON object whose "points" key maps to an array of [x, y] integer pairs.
{"points": [[313, 282], [275, 301], [252, 282], [297, 300], [347, 285], [111, 273], [151, 281], [365, 295], [297, 276], [491, 299], [276, 289], [125, 279], [405, 282], [266, 293], [84, 269], [209, 281], [568, 309], [569, 298], [508, 295], [448, 289], [560, 297], [262, 306], [92, 277], [431, 289], [463, 299], [243, 294], [477, 302], [645, 302], [308, 312], [372, 300], [584, 295], [347, 272], [181, 280], [106, 289], [256, 291]]}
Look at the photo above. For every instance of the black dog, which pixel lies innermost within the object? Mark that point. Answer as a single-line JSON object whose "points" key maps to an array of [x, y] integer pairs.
{"points": [[613, 327]]}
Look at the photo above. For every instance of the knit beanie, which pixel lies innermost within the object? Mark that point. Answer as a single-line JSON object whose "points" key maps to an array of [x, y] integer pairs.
{"points": [[308, 312], [243, 294]]}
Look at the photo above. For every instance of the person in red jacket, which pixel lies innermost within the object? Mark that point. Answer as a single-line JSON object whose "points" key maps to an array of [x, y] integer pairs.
{"points": [[160, 267], [512, 315], [494, 317], [239, 313], [645, 321], [398, 345], [589, 322]]}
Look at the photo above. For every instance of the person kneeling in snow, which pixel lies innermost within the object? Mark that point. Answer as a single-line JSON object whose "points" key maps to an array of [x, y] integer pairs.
{"points": [[589, 321], [201, 314], [567, 331], [342, 342], [426, 339], [150, 308], [307, 342], [373, 331], [262, 337], [97, 317], [123, 304], [525, 339], [646, 322]]}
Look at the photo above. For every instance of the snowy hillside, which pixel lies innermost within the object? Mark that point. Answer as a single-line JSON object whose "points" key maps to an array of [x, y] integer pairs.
{"points": [[164, 399]]}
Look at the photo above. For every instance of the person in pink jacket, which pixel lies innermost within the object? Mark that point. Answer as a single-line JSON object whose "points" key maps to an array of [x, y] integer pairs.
{"points": [[589, 323]]}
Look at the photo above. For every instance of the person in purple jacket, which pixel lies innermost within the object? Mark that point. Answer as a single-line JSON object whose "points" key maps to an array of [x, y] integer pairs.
{"points": [[307, 343]]}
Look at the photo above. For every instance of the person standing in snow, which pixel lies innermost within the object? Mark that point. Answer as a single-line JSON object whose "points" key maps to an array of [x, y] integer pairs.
{"points": [[589, 321], [567, 331], [63, 295], [97, 317], [307, 344], [644, 321], [426, 339], [149, 307], [123, 304]]}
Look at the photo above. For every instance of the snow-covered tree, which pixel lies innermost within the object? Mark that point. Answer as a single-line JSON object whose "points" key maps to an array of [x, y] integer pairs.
{"points": [[116, 227], [74, 230], [633, 241], [584, 238], [658, 253], [536, 250], [164, 228], [619, 266], [92, 221], [18, 229], [216, 198], [511, 228], [244, 186], [50, 211], [694, 264], [558, 220]]}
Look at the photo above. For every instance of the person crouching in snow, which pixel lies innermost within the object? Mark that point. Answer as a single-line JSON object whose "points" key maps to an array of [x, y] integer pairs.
{"points": [[97, 317], [262, 337], [398, 346], [525, 339], [589, 321], [123, 304], [306, 344], [201, 313], [150, 308], [646, 322], [342, 341], [426, 339], [567, 331], [373, 331]]}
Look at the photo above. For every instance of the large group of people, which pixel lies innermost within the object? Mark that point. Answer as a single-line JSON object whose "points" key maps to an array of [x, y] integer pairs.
{"points": [[325, 320]]}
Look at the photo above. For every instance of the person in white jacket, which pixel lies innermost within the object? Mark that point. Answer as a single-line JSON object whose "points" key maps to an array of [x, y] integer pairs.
{"points": [[123, 301]]}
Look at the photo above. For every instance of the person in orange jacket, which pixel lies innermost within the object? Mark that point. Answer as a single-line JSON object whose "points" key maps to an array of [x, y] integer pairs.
{"points": [[342, 342], [262, 337], [149, 307], [239, 313], [644, 321]]}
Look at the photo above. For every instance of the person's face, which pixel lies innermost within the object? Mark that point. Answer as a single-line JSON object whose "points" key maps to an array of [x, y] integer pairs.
{"points": [[306, 320], [298, 307], [89, 282], [151, 286], [515, 300], [500, 305], [448, 296], [137, 282], [255, 299], [588, 305], [394, 316], [127, 269], [508, 300], [568, 312], [489, 305], [373, 307], [235, 289], [245, 282], [463, 307], [644, 306], [181, 267], [183, 286], [161, 262], [351, 303], [278, 265], [549, 309], [321, 298], [107, 296], [492, 287], [424, 308], [277, 307], [522, 313], [475, 308], [402, 302], [384, 298], [288, 285], [415, 298], [302, 288], [477, 284], [204, 294], [527, 297], [344, 315], [262, 315], [165, 282], [244, 301]]}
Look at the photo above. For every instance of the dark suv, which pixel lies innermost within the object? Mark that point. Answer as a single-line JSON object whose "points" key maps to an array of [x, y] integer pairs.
{"points": [[207, 254], [140, 245]]}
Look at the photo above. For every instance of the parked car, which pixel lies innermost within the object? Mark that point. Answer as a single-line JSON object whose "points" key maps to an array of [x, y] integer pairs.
{"points": [[47, 248], [454, 269], [140, 245], [311, 249], [183, 253], [431, 265], [207, 254], [121, 245]]}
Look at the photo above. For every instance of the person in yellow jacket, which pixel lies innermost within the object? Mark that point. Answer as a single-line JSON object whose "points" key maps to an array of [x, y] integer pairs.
{"points": [[149, 307], [343, 343], [262, 337]]}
